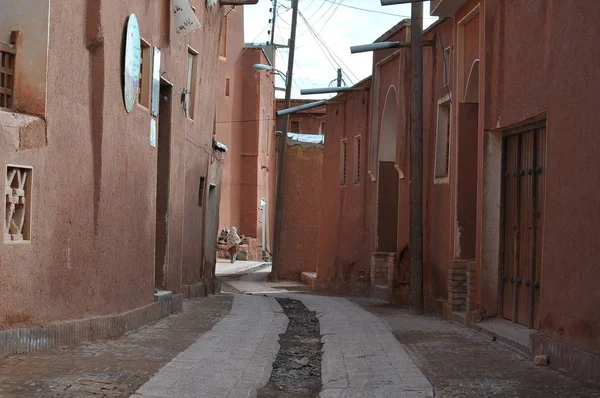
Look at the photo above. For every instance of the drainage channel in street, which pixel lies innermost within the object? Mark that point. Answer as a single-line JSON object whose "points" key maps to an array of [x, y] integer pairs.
{"points": [[297, 368]]}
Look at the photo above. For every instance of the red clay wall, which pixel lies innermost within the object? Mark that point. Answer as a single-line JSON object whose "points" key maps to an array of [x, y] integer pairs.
{"points": [[535, 69], [94, 180], [301, 210], [309, 120], [346, 233], [230, 125], [245, 124], [436, 195]]}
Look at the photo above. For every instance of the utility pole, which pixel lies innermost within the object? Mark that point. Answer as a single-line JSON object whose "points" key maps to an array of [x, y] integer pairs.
{"points": [[282, 145], [339, 77], [273, 22], [416, 159]]}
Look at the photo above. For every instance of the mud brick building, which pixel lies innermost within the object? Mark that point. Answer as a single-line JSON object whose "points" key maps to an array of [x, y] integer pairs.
{"points": [[110, 214], [246, 124], [509, 125]]}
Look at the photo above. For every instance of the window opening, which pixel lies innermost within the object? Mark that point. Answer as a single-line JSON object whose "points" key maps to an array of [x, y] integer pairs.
{"points": [[357, 159], [442, 148], [201, 192], [343, 154], [295, 127], [17, 189], [223, 41], [190, 91]]}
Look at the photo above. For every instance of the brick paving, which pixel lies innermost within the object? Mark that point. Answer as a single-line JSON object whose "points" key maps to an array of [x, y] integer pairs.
{"points": [[460, 362], [111, 368], [233, 360]]}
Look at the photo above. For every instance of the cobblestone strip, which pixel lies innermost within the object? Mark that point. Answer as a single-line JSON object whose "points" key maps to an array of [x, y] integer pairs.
{"points": [[233, 360], [361, 357]]}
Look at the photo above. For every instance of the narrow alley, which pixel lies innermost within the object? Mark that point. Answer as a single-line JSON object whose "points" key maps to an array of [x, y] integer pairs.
{"points": [[226, 345]]}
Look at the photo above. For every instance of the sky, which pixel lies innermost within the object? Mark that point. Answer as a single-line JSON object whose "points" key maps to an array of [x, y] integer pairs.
{"points": [[335, 26]]}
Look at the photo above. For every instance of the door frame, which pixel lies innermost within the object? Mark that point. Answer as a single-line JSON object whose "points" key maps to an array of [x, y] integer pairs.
{"points": [[534, 124]]}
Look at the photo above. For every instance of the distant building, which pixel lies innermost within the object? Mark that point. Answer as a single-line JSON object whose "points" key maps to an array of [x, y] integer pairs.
{"points": [[311, 121], [245, 123]]}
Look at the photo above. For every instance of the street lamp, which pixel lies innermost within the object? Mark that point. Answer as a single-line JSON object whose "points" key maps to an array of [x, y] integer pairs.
{"points": [[269, 68]]}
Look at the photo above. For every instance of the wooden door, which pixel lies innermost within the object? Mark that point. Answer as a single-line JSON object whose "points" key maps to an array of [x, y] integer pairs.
{"points": [[523, 190]]}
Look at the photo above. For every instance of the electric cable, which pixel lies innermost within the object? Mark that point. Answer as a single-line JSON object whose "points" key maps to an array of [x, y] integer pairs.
{"points": [[331, 53]]}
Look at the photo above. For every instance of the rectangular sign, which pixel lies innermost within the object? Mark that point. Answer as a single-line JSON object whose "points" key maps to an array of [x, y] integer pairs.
{"points": [[185, 20], [155, 81], [153, 132]]}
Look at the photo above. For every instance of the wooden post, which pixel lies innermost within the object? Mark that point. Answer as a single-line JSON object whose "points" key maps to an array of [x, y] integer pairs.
{"points": [[416, 160]]}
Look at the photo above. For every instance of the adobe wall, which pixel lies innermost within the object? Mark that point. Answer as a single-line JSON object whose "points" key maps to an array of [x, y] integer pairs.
{"points": [[309, 120], [437, 213], [229, 117], [94, 178], [301, 210], [347, 227], [557, 81]]}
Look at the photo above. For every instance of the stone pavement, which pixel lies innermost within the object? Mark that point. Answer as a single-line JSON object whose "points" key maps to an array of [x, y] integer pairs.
{"points": [[460, 362], [361, 357], [233, 360], [256, 283], [224, 267], [110, 368]]}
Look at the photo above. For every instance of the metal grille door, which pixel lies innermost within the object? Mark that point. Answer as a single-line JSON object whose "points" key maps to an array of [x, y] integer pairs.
{"points": [[523, 190]]}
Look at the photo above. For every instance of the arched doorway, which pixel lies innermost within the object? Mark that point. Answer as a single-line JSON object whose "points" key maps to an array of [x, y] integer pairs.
{"points": [[387, 188]]}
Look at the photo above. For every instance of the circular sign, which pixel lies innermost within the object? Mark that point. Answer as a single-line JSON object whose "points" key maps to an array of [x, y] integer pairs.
{"points": [[133, 55]]}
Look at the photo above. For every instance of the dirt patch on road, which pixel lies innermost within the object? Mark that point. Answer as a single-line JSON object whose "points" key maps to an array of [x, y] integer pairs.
{"points": [[297, 368]]}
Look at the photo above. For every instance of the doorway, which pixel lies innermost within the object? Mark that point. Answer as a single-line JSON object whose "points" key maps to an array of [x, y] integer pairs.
{"points": [[163, 178], [523, 194], [210, 236], [388, 177]]}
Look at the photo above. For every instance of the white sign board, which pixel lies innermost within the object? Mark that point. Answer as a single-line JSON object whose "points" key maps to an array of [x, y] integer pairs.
{"points": [[153, 132], [185, 20], [155, 81]]}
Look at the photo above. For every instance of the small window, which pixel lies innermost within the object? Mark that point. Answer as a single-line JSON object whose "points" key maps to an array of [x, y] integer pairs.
{"points": [[343, 155], [227, 87], [442, 146], [17, 227], [145, 74], [322, 128], [264, 125], [295, 127], [190, 87], [268, 129], [201, 192], [357, 159], [223, 39]]}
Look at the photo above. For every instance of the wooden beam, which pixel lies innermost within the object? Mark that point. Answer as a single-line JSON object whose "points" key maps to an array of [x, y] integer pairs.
{"points": [[7, 48]]}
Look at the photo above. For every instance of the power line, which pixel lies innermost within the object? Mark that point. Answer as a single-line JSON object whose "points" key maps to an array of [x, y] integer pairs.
{"points": [[331, 53], [376, 12], [333, 3]]}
